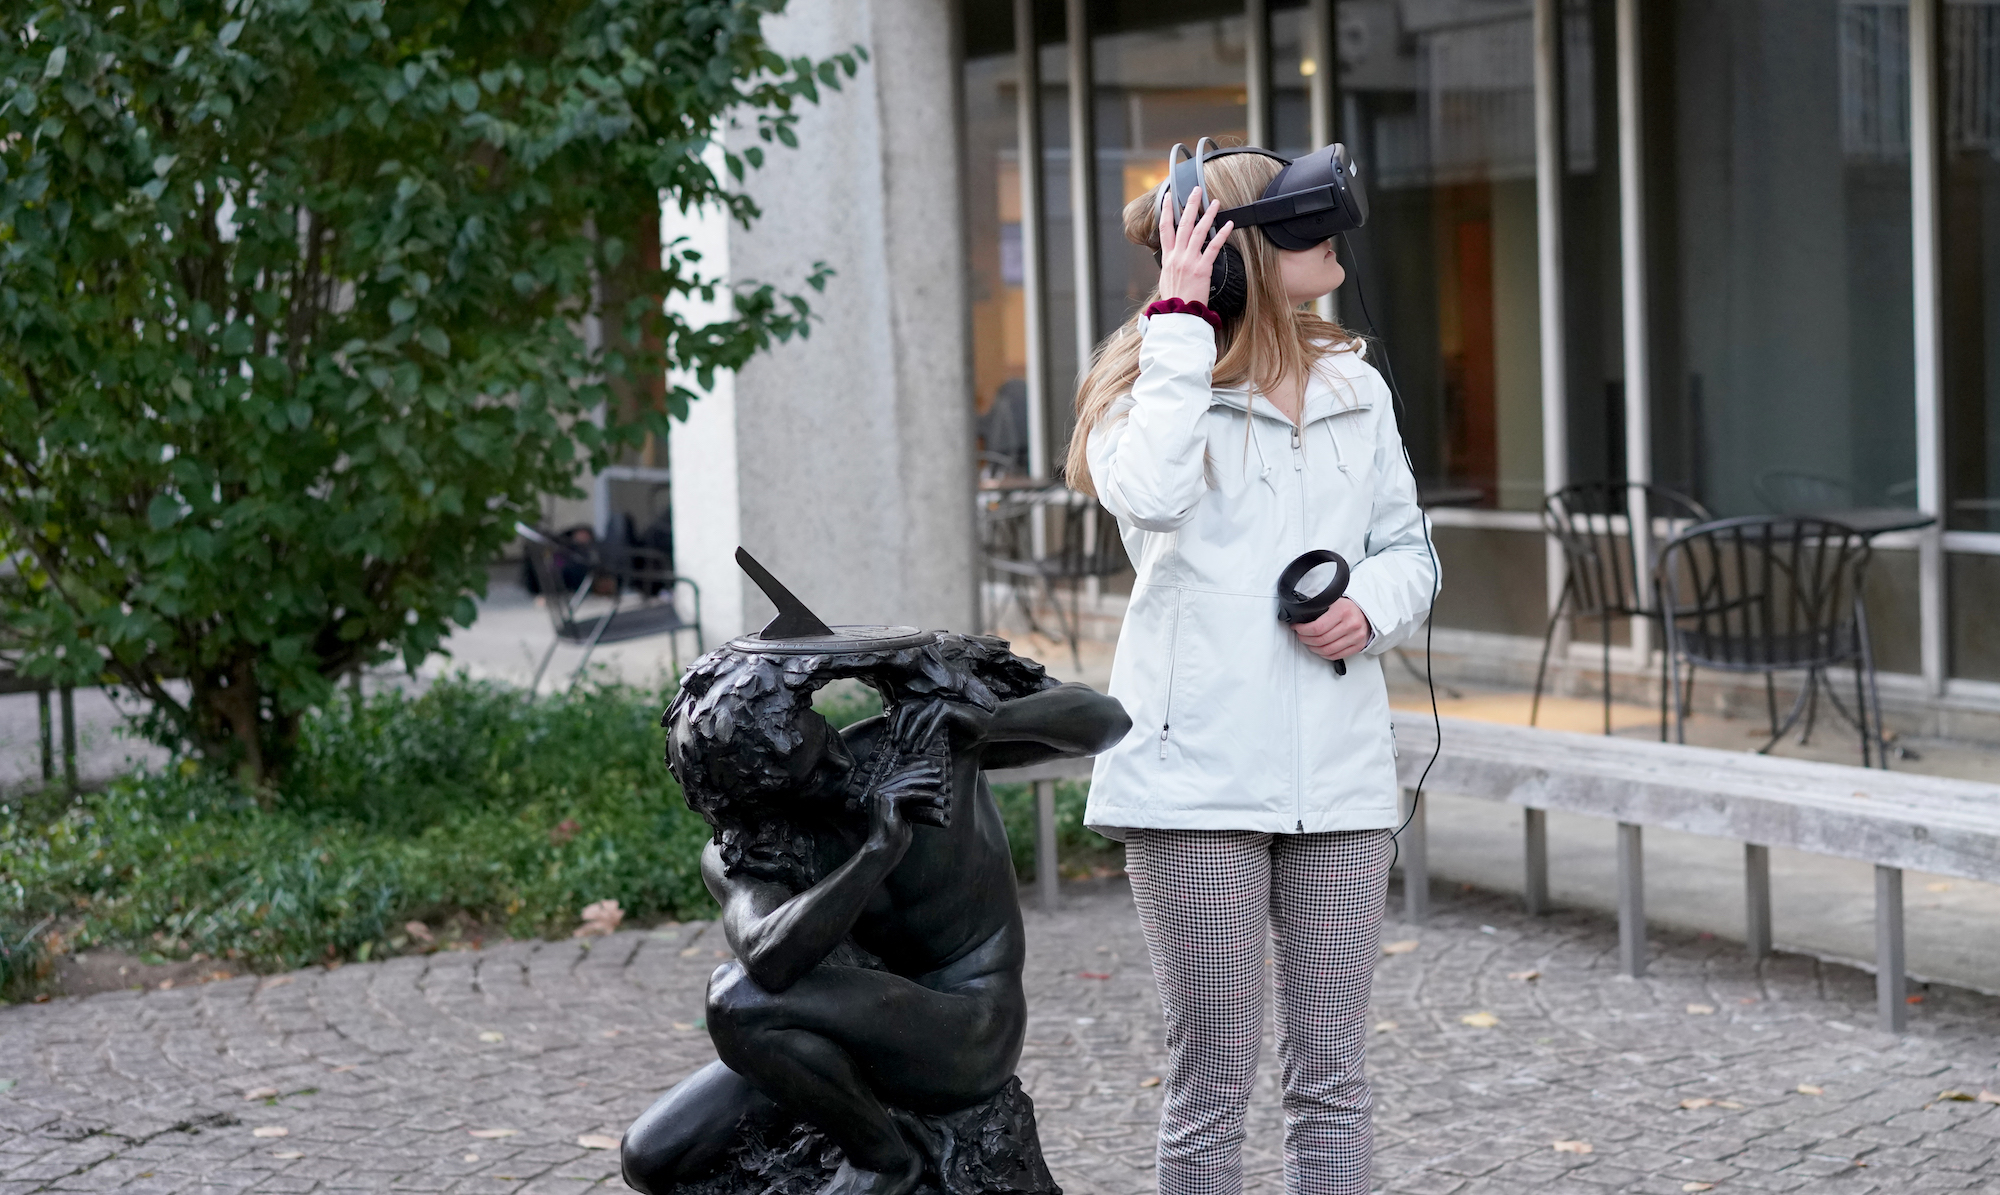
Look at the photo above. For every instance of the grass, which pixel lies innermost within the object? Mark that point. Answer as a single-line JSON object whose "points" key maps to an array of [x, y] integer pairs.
{"points": [[464, 805]]}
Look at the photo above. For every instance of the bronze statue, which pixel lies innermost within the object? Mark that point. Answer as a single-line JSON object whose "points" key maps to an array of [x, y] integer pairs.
{"points": [[870, 1022]]}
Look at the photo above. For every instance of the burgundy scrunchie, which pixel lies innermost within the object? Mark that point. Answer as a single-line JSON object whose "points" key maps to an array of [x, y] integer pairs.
{"points": [[1184, 307]]}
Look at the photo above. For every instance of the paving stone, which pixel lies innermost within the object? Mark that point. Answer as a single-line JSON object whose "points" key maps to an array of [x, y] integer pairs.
{"points": [[385, 1071]]}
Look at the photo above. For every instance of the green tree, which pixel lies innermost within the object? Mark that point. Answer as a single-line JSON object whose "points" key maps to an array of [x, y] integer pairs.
{"points": [[295, 300]]}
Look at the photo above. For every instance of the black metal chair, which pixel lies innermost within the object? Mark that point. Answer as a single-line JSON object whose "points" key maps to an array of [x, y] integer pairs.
{"points": [[625, 568], [1086, 545], [1770, 595], [1602, 577]]}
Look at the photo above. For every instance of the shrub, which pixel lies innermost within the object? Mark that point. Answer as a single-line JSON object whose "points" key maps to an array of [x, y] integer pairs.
{"points": [[294, 301]]}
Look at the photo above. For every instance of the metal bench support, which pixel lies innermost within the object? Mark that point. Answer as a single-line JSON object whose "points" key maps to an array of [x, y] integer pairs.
{"points": [[1890, 1008], [1414, 847], [1045, 844], [1757, 899], [1631, 901], [1535, 836]]}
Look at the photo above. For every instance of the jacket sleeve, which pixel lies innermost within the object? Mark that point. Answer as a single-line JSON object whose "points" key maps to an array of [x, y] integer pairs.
{"points": [[1395, 581], [1148, 454]]}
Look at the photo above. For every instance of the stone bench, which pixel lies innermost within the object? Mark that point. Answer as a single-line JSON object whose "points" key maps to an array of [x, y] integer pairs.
{"points": [[1894, 820]]}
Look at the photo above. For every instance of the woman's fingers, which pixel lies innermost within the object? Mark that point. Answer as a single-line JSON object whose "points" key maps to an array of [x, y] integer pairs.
{"points": [[1214, 249], [1189, 215]]}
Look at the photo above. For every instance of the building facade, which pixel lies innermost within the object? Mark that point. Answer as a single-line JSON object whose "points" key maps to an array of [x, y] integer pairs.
{"points": [[1747, 249]]}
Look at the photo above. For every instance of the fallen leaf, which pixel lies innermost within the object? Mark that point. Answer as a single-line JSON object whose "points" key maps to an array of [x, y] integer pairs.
{"points": [[1955, 1096], [1701, 1010], [470, 1158], [492, 1035], [419, 931], [288, 1155], [612, 1032], [1572, 1147], [277, 982], [1403, 947], [1700, 1101], [1093, 975], [1732, 1104], [1150, 1081], [492, 1134], [1811, 1089], [599, 918], [1479, 1020], [261, 1093], [270, 1130], [1386, 1026], [341, 1070], [166, 984], [1940, 886], [1913, 999], [1987, 1097], [690, 952], [597, 1141], [1524, 976], [684, 1026], [1697, 1186]]}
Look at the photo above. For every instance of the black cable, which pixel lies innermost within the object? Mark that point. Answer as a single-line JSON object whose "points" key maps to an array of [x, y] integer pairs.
{"points": [[1430, 678]]}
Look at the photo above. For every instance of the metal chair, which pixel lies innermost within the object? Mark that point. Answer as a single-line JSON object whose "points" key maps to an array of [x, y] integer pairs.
{"points": [[1773, 594], [628, 568], [1086, 545], [1602, 575]]}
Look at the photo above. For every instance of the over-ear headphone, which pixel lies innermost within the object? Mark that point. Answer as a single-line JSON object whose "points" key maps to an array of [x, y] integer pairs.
{"points": [[1311, 200]]}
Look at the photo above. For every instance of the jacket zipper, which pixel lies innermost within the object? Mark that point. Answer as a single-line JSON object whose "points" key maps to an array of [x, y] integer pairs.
{"points": [[1173, 647], [1298, 717]]}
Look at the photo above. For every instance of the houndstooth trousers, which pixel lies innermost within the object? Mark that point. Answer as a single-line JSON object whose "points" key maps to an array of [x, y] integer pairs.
{"points": [[1212, 902]]}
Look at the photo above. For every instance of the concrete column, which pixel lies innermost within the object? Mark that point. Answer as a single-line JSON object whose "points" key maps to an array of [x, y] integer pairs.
{"points": [[844, 461], [1413, 845]]}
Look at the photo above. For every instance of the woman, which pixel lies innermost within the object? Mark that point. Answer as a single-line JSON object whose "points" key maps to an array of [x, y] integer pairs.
{"points": [[1257, 789]]}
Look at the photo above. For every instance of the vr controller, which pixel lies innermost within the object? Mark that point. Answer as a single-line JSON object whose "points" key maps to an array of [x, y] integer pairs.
{"points": [[1312, 200], [1297, 608]]}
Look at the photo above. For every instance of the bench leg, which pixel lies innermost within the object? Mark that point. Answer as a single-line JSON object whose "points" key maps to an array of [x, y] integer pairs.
{"points": [[1045, 844], [1535, 835], [1414, 847], [1631, 901], [1757, 899], [1890, 1008], [69, 736]]}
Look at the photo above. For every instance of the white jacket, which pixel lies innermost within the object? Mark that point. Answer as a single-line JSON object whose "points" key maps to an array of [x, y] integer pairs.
{"points": [[1235, 724]]}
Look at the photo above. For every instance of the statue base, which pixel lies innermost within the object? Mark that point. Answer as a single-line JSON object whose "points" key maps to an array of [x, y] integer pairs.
{"points": [[990, 1148]]}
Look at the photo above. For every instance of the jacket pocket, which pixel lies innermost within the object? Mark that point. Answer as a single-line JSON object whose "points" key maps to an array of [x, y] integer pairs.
{"points": [[1173, 647]]}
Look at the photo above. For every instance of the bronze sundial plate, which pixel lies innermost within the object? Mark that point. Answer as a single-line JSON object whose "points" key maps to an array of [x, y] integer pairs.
{"points": [[843, 639]]}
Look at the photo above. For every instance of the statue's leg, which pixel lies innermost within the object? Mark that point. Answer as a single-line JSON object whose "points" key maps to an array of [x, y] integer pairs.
{"points": [[836, 1044], [687, 1130]]}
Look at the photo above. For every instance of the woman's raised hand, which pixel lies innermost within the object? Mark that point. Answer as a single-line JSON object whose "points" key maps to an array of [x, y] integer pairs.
{"points": [[1187, 255]]}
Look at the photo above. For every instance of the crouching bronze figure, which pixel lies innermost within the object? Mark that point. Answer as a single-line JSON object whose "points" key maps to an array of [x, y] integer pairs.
{"points": [[869, 1024]]}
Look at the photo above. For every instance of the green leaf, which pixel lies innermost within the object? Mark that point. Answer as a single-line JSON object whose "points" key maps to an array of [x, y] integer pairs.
{"points": [[299, 412], [162, 512], [465, 93], [230, 32], [58, 58], [402, 309], [434, 339]]}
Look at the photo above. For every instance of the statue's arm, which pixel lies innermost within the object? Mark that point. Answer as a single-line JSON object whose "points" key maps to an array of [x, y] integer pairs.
{"points": [[1070, 719], [780, 936]]}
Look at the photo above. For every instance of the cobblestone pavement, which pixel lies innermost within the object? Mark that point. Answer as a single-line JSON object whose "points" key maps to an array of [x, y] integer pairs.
{"points": [[479, 1071]]}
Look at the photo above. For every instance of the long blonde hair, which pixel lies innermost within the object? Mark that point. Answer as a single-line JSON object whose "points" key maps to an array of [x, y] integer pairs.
{"points": [[1271, 341]]}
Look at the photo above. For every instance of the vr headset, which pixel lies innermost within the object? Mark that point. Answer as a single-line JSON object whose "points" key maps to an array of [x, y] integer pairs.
{"points": [[1312, 200]]}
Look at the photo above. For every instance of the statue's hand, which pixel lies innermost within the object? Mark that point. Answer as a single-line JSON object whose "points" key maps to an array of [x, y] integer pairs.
{"points": [[917, 722], [915, 784]]}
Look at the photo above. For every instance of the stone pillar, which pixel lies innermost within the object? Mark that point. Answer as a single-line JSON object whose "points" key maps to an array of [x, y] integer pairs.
{"points": [[844, 461]]}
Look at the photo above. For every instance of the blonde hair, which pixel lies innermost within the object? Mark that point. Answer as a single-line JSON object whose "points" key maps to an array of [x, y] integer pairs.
{"points": [[1272, 340]]}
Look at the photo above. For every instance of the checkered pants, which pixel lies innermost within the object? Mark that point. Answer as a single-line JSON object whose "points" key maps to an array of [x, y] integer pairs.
{"points": [[1211, 902]]}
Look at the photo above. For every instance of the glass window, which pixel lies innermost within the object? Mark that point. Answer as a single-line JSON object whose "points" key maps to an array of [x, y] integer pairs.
{"points": [[993, 226], [1166, 73], [1970, 109], [1436, 102], [1592, 265], [1778, 161]]}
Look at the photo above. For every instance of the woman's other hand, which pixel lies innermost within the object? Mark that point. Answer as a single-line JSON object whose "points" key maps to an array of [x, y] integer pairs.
{"points": [[1337, 634], [1187, 255]]}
